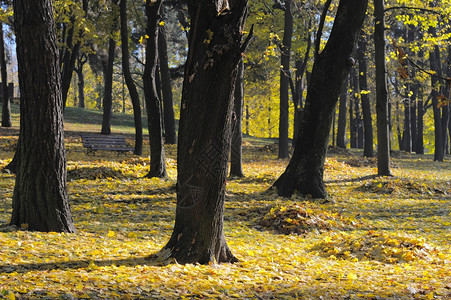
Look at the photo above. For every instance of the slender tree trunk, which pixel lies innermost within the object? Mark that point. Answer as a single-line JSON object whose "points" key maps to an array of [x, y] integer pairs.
{"points": [[170, 136], [40, 200], [353, 122], [284, 81], [129, 80], [108, 94], [153, 103], [305, 171], [6, 107], [342, 109], [236, 166], [383, 130], [364, 98], [81, 60], [434, 59], [205, 134]]}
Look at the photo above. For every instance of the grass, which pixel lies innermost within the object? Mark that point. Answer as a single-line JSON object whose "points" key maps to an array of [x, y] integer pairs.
{"points": [[378, 238]]}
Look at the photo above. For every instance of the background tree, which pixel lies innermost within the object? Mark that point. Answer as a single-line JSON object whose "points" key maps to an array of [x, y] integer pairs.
{"points": [[305, 171], [215, 50], [236, 154], [153, 102], [6, 109], [129, 79], [40, 199]]}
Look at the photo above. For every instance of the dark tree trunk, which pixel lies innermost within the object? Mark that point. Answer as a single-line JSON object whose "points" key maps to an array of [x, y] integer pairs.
{"points": [[6, 107], [236, 166], [364, 98], [129, 80], [40, 200], [153, 103], [170, 136], [342, 109], [353, 112], [419, 149], [81, 61], [285, 49], [205, 131], [108, 93], [383, 130], [305, 171], [70, 57], [434, 59]]}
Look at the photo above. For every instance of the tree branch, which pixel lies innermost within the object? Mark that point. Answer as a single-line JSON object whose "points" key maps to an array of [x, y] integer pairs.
{"points": [[319, 33]]}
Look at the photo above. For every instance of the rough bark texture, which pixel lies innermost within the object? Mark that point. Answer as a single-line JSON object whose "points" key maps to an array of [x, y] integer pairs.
{"points": [[305, 171], [215, 49], [365, 99], [6, 107], [40, 195], [434, 58], [153, 103], [236, 166], [129, 80], [170, 136], [285, 50], [383, 130]]}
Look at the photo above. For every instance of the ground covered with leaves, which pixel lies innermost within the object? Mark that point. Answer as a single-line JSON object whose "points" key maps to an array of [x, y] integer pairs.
{"points": [[377, 238]]}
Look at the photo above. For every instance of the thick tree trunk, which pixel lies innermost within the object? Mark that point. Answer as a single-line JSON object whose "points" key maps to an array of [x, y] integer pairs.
{"points": [[153, 103], [129, 80], [434, 59], [40, 200], [364, 98], [236, 166], [205, 131], [285, 49], [170, 136], [342, 109], [383, 130], [108, 94], [305, 171], [6, 107]]}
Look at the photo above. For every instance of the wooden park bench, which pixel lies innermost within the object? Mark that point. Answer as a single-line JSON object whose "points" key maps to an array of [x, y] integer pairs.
{"points": [[93, 143]]}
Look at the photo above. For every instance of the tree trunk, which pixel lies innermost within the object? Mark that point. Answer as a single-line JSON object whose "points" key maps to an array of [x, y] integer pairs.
{"points": [[305, 171], [40, 200], [215, 50], [170, 136], [129, 80], [153, 103], [364, 98], [342, 109], [108, 94], [81, 60], [383, 131], [236, 166], [6, 107], [285, 49], [434, 59]]}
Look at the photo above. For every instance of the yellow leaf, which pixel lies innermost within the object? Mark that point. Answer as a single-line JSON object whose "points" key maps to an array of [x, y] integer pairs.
{"points": [[110, 234], [352, 276]]}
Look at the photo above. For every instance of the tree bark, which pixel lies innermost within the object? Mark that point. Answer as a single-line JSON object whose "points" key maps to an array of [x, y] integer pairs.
{"points": [[170, 136], [153, 103], [305, 171], [383, 130], [108, 89], [285, 49], [40, 200], [215, 49], [236, 166], [434, 59], [342, 109], [364, 98], [81, 61], [6, 107], [129, 80]]}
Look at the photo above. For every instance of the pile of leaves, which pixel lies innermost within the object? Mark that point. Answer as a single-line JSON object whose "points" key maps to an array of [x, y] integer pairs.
{"points": [[302, 218], [378, 246], [360, 161], [385, 185]]}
